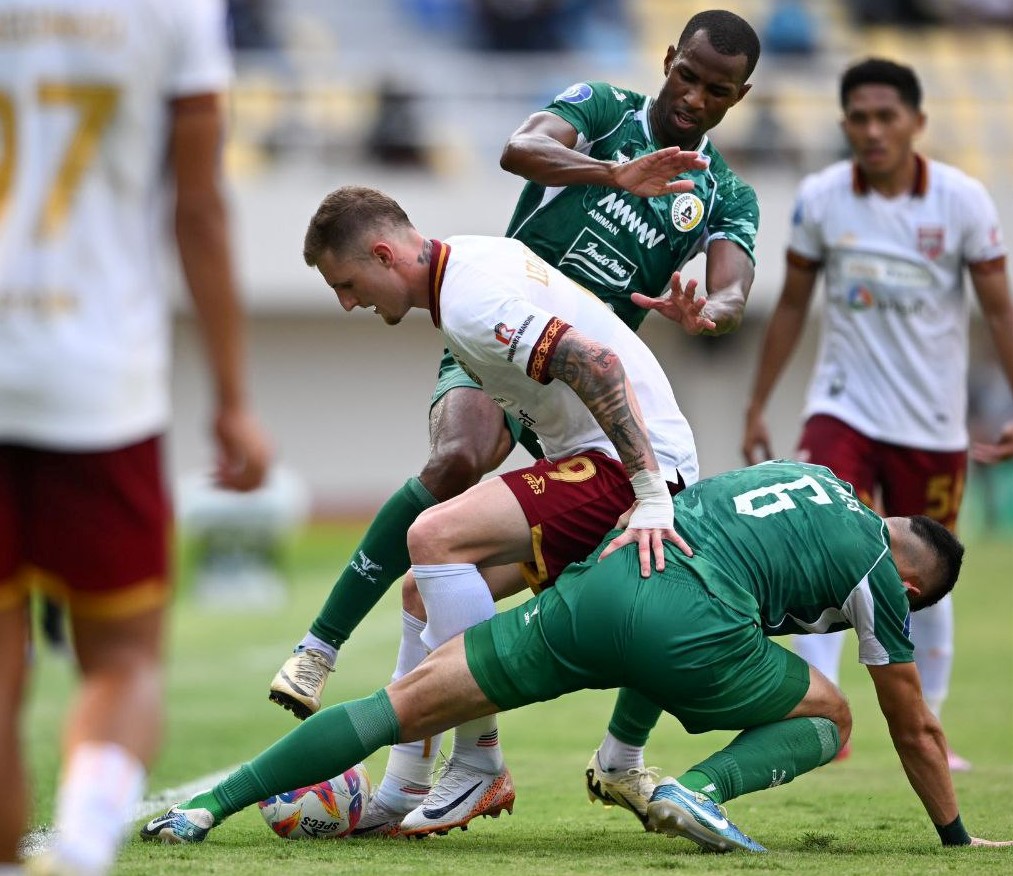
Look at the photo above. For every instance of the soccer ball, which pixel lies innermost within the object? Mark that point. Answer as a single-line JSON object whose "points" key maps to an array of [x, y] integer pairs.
{"points": [[327, 810]]}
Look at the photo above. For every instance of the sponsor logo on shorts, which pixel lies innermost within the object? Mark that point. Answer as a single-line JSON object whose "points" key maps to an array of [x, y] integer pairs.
{"points": [[576, 93], [687, 211], [536, 483]]}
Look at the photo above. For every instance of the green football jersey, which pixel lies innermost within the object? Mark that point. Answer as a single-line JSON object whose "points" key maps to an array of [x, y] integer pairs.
{"points": [[811, 556], [615, 243]]}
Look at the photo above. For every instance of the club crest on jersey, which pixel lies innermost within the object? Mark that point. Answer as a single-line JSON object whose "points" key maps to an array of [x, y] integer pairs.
{"points": [[576, 93], [930, 241], [687, 211], [503, 333]]}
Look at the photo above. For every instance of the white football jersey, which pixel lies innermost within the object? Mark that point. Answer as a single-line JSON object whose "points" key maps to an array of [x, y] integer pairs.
{"points": [[894, 348], [502, 310], [84, 323]]}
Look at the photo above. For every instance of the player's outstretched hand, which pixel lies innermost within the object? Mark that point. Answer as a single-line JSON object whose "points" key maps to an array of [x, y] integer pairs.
{"points": [[653, 174], [1002, 449], [680, 305], [756, 440], [975, 841], [244, 451]]}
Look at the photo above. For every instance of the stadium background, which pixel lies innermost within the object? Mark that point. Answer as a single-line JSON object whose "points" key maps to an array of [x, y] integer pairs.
{"points": [[346, 397]]}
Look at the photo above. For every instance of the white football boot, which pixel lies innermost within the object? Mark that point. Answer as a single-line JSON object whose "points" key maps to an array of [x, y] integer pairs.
{"points": [[461, 794]]}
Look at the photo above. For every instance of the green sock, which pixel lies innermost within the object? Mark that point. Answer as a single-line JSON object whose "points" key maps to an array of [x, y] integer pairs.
{"points": [[379, 560], [322, 746], [633, 717], [764, 757]]}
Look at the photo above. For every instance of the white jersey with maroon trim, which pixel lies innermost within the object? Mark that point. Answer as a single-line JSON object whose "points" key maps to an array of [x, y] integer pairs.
{"points": [[84, 114], [894, 349], [503, 310]]}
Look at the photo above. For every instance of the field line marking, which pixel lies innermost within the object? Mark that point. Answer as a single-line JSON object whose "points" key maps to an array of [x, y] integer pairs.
{"points": [[38, 840]]}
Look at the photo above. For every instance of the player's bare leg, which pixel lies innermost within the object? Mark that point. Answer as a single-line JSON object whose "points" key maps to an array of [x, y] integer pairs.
{"points": [[13, 669], [467, 439]]}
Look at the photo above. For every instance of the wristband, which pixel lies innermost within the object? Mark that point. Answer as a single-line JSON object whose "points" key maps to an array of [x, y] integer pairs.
{"points": [[654, 508], [954, 833]]}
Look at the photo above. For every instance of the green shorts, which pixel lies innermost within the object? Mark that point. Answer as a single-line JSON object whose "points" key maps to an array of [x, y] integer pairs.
{"points": [[602, 626], [451, 375]]}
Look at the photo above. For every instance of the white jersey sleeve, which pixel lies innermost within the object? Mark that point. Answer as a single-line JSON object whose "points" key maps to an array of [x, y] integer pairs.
{"points": [[202, 60], [806, 237], [981, 238]]}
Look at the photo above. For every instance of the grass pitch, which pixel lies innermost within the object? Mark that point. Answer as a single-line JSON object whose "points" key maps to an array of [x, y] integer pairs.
{"points": [[856, 817]]}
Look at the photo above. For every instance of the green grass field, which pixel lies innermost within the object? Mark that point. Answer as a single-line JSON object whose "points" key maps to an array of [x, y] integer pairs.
{"points": [[856, 817]]}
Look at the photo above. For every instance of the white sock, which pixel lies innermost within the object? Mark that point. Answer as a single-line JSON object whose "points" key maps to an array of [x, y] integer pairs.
{"points": [[411, 652], [101, 777], [409, 772], [311, 641], [616, 755], [822, 650], [476, 743], [456, 597], [932, 634]]}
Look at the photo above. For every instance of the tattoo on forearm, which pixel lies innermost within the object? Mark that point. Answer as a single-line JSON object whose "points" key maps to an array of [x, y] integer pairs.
{"points": [[594, 372]]}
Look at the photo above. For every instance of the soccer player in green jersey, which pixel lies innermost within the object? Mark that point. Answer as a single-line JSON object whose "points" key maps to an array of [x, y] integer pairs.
{"points": [[781, 547], [610, 203]]}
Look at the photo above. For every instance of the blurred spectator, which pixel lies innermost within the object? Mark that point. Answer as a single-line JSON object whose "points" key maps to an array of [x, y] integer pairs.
{"points": [[911, 13], [396, 136], [253, 25], [790, 29], [982, 11]]}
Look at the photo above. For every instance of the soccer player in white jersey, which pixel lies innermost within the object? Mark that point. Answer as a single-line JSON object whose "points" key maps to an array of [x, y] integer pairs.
{"points": [[893, 233], [556, 357], [98, 99]]}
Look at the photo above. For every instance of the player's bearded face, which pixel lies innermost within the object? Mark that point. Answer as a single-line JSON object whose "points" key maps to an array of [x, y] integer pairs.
{"points": [[880, 128]]}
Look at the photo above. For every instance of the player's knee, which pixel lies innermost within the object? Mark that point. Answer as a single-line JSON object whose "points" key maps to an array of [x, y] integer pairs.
{"points": [[411, 599], [453, 467], [430, 538]]}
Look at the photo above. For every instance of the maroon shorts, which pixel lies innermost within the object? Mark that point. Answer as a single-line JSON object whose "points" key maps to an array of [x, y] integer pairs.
{"points": [[909, 481], [88, 528], [570, 505]]}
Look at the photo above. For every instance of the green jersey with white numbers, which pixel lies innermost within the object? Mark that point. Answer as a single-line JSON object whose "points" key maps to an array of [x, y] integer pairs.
{"points": [[615, 243], [790, 542]]}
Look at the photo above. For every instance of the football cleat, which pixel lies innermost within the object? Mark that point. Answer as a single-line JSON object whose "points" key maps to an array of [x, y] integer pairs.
{"points": [[379, 819], [676, 811], [631, 789], [297, 686], [179, 826], [461, 794]]}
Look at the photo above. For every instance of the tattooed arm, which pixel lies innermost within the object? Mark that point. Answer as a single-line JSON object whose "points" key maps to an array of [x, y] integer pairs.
{"points": [[596, 374]]}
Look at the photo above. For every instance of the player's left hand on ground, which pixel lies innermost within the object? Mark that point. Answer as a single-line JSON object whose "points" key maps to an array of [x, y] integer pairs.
{"points": [[975, 841], [999, 451], [680, 305], [244, 452]]}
